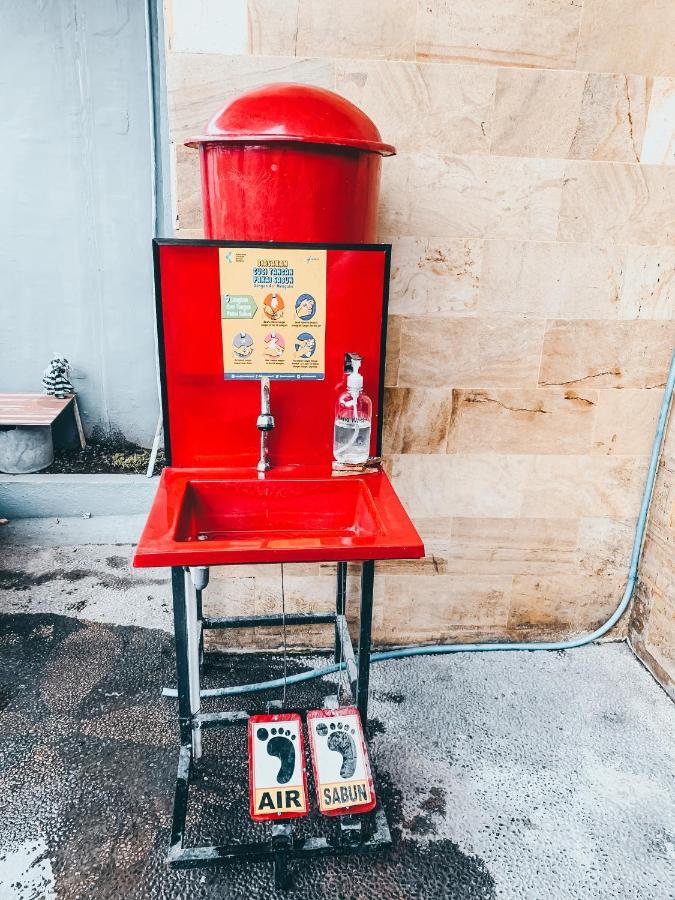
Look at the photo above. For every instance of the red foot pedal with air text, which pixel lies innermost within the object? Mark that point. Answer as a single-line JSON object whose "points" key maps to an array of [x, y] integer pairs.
{"points": [[276, 764], [340, 758]]}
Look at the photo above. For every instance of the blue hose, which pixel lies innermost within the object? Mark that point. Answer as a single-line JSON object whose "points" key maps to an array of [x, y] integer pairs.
{"points": [[570, 644]]}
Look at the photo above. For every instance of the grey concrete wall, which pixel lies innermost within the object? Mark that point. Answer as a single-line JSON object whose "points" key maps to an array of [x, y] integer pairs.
{"points": [[63, 496], [76, 177]]}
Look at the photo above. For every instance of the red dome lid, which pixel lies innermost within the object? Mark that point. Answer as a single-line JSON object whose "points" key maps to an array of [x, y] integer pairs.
{"points": [[293, 112]]}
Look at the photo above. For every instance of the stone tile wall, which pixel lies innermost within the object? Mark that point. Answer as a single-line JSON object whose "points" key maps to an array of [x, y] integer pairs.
{"points": [[531, 209], [651, 629]]}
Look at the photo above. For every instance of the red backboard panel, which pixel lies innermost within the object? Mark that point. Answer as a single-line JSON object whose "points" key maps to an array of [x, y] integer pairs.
{"points": [[210, 421]]}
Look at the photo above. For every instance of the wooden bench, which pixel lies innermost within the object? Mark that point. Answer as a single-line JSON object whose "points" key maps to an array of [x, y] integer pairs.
{"points": [[26, 430], [37, 409]]}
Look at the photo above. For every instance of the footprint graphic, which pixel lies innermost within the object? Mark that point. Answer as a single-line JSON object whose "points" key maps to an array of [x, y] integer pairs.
{"points": [[341, 741], [280, 746]]}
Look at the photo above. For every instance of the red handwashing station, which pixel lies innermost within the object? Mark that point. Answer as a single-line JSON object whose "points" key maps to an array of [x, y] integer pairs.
{"points": [[255, 324]]}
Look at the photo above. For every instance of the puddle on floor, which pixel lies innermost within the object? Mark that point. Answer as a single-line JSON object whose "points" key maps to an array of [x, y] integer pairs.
{"points": [[26, 871]]}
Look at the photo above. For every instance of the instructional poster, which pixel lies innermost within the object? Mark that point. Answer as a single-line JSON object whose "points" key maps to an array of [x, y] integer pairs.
{"points": [[273, 312]]}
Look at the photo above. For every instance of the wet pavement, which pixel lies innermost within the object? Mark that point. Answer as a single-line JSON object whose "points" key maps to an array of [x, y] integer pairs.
{"points": [[503, 775]]}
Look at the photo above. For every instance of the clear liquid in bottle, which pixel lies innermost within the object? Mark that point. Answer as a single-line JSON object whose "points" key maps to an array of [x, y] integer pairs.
{"points": [[351, 443], [351, 436]]}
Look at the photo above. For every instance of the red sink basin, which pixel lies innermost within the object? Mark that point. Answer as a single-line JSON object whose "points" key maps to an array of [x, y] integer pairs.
{"points": [[279, 510], [216, 517]]}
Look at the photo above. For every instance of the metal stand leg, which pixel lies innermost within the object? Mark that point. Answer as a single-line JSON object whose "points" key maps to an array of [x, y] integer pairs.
{"points": [[340, 604], [200, 579], [187, 658], [180, 802], [282, 844], [365, 629], [200, 618], [192, 629], [181, 637]]}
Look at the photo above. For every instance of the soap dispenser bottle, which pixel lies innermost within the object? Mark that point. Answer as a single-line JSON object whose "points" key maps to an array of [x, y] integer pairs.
{"points": [[353, 414]]}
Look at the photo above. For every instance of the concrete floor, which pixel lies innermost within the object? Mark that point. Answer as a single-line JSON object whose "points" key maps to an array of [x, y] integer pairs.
{"points": [[504, 775]]}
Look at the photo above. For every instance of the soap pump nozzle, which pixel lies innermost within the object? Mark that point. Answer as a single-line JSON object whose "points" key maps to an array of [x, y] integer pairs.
{"points": [[354, 377]]}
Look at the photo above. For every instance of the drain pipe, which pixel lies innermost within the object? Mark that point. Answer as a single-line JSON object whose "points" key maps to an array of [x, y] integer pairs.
{"points": [[570, 644], [161, 168]]}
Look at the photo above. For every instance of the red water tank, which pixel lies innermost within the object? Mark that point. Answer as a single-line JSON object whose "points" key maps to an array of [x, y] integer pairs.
{"points": [[290, 162]]}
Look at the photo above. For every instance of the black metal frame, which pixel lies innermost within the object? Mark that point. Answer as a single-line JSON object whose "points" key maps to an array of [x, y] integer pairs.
{"points": [[357, 833]]}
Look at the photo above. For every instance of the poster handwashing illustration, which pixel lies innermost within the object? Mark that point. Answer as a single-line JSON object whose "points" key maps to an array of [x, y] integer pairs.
{"points": [[273, 313]]}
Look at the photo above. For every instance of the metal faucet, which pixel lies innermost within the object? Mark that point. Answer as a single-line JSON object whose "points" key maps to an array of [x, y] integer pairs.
{"points": [[265, 423]]}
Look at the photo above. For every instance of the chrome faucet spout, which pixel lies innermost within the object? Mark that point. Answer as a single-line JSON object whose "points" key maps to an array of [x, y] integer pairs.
{"points": [[265, 424]]}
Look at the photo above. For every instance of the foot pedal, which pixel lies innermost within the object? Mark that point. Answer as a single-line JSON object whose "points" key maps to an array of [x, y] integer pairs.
{"points": [[340, 760], [276, 761]]}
